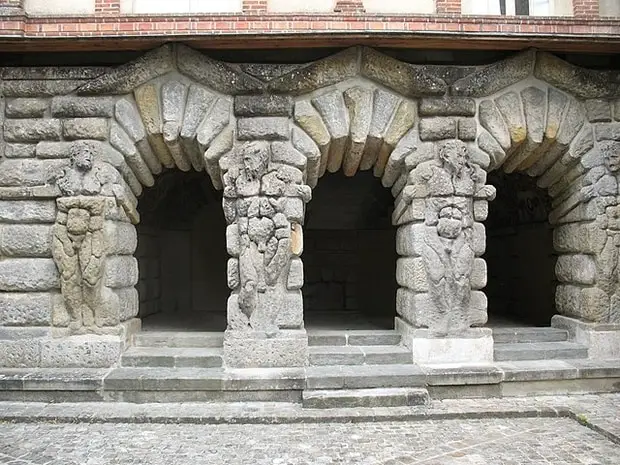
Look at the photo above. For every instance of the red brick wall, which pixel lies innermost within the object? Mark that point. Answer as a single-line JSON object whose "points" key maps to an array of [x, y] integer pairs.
{"points": [[254, 6], [585, 8], [107, 7], [448, 6]]}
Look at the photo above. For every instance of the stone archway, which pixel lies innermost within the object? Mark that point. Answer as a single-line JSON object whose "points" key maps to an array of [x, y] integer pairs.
{"points": [[265, 134]]}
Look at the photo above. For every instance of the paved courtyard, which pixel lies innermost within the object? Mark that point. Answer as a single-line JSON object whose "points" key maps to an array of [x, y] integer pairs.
{"points": [[588, 435]]}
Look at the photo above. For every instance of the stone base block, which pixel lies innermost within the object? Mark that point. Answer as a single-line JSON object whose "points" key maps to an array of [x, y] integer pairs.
{"points": [[472, 346], [255, 349], [601, 339]]}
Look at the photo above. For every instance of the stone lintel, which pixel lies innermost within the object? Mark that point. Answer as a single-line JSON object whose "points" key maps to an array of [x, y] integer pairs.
{"points": [[474, 345], [255, 349], [601, 339]]}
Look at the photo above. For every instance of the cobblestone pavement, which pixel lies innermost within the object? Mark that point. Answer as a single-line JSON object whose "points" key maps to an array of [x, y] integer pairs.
{"points": [[503, 440]]}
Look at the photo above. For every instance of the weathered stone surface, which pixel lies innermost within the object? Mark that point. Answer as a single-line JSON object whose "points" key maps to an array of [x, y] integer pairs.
{"points": [[173, 97], [38, 88], [129, 118], [122, 238], [129, 303], [263, 128], [85, 128], [19, 240], [26, 108], [302, 142], [263, 105], [232, 273], [598, 111], [121, 271], [312, 123], [581, 82], [437, 128], [27, 211], [284, 152], [126, 78], [334, 112], [493, 78], [222, 144], [407, 80], [358, 101], [217, 119], [447, 106], [54, 149], [199, 102], [20, 353], [32, 130], [403, 121], [295, 275], [396, 161], [491, 119], [535, 109], [20, 150], [322, 73], [29, 172], [25, 308], [147, 99], [28, 274], [81, 351], [607, 131], [579, 269], [410, 273], [215, 74], [123, 143], [509, 106], [82, 107], [244, 349], [467, 128]]}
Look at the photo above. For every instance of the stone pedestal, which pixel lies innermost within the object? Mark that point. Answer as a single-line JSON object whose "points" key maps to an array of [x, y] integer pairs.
{"points": [[257, 349], [474, 345], [601, 339]]}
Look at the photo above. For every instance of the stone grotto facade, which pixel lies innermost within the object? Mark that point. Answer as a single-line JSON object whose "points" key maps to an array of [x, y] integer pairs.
{"points": [[81, 145]]}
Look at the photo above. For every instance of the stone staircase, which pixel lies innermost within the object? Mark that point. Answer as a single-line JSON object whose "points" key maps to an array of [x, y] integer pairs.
{"points": [[520, 344]]}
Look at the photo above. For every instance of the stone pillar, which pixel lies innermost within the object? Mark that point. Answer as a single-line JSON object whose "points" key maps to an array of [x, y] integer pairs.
{"points": [[93, 245], [440, 241], [265, 193]]}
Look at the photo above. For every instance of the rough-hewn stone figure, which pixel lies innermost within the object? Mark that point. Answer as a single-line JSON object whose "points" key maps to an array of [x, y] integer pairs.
{"points": [[256, 194], [448, 185]]}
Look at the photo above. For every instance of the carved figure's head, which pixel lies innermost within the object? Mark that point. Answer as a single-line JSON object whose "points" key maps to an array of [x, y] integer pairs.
{"points": [[450, 222], [454, 155], [82, 156], [255, 157], [611, 154]]}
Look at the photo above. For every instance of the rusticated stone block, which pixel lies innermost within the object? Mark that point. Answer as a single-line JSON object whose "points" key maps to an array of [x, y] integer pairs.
{"points": [[121, 271], [253, 349], [26, 108], [20, 150], [85, 128], [598, 111], [447, 106], [82, 107], [20, 240], [28, 172], [81, 351], [410, 273], [27, 211], [263, 105], [25, 309], [20, 353], [28, 274], [468, 128], [263, 128], [122, 238], [437, 128], [579, 269], [607, 131], [295, 274], [32, 130]]}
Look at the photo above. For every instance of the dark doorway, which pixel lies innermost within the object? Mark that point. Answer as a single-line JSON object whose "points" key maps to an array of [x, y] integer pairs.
{"points": [[182, 254], [349, 254], [520, 255]]}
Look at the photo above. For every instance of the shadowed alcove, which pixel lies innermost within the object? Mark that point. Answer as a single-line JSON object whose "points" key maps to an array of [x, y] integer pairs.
{"points": [[349, 254], [520, 254], [182, 254]]}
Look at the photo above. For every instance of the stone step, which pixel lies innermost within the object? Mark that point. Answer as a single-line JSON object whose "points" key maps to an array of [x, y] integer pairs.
{"points": [[379, 337], [179, 339], [172, 357], [540, 351], [364, 376], [359, 355], [364, 398], [526, 335]]}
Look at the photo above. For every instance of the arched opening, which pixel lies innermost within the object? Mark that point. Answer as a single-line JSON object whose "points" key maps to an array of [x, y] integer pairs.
{"points": [[520, 255], [182, 254], [349, 254]]}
